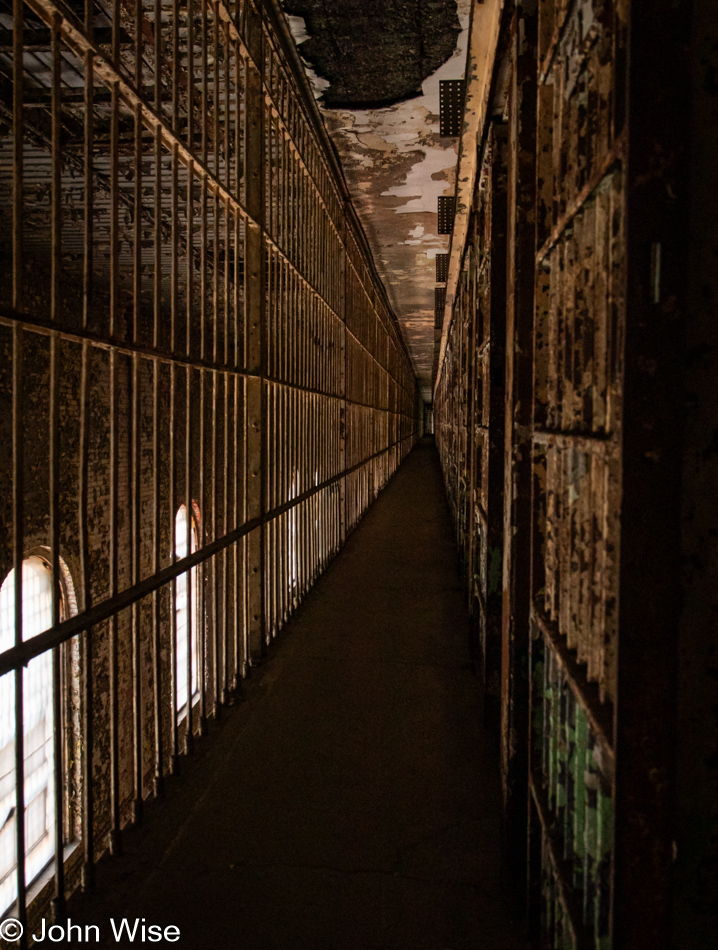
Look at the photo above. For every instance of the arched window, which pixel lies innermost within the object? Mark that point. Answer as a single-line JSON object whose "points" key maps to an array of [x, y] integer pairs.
{"points": [[186, 615], [38, 728]]}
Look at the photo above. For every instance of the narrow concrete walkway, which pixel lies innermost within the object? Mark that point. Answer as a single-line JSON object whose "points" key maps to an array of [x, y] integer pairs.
{"points": [[351, 803]]}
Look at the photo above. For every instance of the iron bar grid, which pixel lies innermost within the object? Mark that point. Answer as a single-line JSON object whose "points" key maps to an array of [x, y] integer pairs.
{"points": [[192, 319]]}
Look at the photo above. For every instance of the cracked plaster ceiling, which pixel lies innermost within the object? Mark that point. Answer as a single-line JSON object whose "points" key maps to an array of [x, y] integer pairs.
{"points": [[395, 163]]}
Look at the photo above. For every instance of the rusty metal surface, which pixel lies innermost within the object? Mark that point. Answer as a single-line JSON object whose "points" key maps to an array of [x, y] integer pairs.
{"points": [[190, 317], [592, 395], [521, 107], [469, 413], [578, 337]]}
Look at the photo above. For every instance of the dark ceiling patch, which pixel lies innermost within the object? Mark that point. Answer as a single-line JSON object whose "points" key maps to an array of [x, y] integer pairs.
{"points": [[375, 54]]}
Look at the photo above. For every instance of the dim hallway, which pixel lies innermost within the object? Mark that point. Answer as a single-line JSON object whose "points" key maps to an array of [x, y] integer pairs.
{"points": [[351, 802]]}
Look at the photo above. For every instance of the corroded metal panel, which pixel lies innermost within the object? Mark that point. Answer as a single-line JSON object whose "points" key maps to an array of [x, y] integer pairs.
{"points": [[591, 396], [578, 374], [469, 412]]}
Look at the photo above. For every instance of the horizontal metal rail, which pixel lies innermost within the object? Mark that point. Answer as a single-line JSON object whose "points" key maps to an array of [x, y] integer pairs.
{"points": [[206, 389], [21, 655]]}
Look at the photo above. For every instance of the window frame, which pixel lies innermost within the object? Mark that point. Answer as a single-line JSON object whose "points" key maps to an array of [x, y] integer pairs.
{"points": [[197, 631]]}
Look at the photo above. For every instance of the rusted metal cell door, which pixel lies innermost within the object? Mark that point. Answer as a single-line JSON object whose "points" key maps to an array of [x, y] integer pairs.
{"points": [[604, 388], [470, 412], [578, 352], [487, 273], [489, 425]]}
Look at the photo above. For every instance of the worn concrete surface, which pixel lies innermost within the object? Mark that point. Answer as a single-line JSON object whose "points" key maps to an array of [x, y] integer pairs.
{"points": [[351, 802]]}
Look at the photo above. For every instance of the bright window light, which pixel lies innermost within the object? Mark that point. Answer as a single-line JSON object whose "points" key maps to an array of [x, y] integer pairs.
{"points": [[187, 615], [38, 731]]}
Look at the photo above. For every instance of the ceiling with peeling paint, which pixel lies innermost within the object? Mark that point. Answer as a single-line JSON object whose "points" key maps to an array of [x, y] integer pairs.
{"points": [[395, 162]]}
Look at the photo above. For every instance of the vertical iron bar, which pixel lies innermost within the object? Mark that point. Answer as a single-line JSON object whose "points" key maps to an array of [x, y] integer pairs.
{"points": [[175, 65], [87, 681], [226, 377], [139, 52], [215, 431], [116, 26], [156, 614], [174, 739], [203, 345], [135, 474], [58, 903], [202, 433], [191, 606], [194, 618], [190, 76], [18, 147], [89, 196], [86, 664], [236, 597], [157, 533], [115, 843], [18, 551], [227, 77], [135, 574], [139, 44]]}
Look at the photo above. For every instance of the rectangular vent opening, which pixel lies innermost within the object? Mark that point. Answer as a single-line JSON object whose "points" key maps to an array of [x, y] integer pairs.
{"points": [[442, 268], [439, 305], [451, 106], [447, 209]]}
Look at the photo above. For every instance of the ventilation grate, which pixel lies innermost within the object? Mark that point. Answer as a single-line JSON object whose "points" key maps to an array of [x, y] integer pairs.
{"points": [[451, 106], [447, 209], [442, 268], [439, 304]]}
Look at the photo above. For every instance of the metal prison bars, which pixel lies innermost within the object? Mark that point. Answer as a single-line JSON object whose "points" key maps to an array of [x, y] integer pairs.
{"points": [[203, 389], [541, 446]]}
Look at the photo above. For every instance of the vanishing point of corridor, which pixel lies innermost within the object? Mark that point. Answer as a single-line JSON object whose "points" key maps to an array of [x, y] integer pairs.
{"points": [[352, 801]]}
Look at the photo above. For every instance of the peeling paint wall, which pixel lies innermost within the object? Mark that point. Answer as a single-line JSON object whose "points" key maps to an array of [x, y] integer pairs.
{"points": [[396, 166]]}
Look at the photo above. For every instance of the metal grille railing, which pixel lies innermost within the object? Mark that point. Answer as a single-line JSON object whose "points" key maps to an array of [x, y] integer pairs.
{"points": [[190, 319]]}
